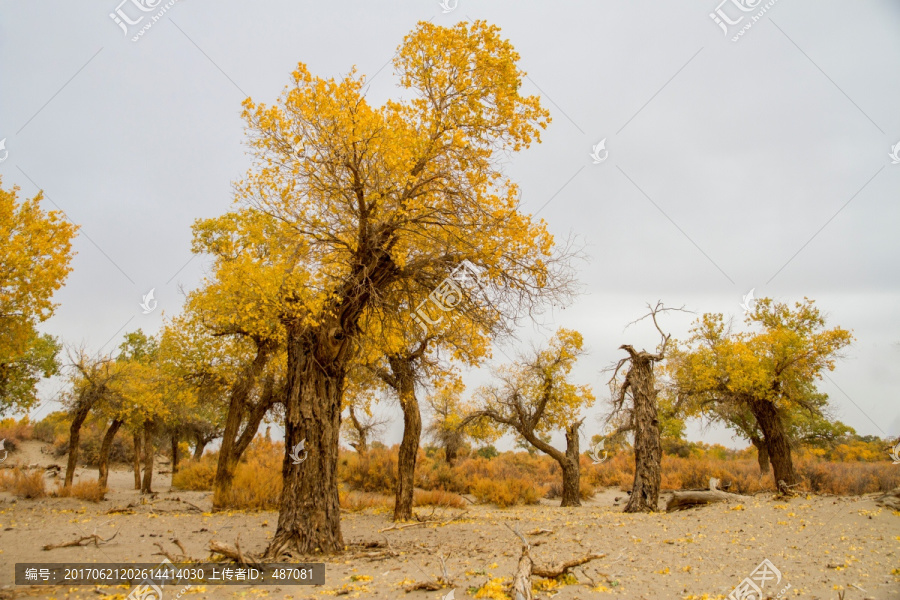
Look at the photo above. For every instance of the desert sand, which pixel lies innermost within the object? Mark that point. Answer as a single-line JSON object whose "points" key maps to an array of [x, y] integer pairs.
{"points": [[820, 544]]}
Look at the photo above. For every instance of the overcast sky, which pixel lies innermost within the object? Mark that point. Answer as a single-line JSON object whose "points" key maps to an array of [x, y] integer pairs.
{"points": [[757, 163]]}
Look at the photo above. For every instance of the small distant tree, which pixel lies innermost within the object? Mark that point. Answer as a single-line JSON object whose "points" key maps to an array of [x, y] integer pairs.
{"points": [[534, 397], [769, 371], [446, 408]]}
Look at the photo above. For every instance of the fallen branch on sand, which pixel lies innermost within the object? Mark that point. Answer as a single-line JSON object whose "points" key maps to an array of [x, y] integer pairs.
{"points": [[690, 498], [407, 525], [181, 558], [521, 584], [234, 553], [82, 541]]}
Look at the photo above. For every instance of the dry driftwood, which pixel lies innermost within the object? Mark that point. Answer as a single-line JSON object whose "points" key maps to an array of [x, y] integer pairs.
{"points": [[890, 500], [563, 568], [690, 498], [234, 553], [82, 541], [407, 525]]}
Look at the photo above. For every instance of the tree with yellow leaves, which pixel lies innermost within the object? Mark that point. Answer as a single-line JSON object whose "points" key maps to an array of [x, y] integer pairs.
{"points": [[379, 204], [35, 252], [534, 397], [770, 372]]}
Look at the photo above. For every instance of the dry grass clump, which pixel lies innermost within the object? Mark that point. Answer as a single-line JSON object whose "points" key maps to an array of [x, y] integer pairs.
{"points": [[84, 490], [507, 492], [439, 498], [354, 501], [23, 484]]}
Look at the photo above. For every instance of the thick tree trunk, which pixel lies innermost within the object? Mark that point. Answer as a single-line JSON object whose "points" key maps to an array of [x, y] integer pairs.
{"points": [[310, 513], [174, 453], [74, 437], [571, 469], [146, 484], [451, 451], [647, 448], [228, 454], [412, 432], [103, 462], [762, 455], [362, 435], [199, 447], [136, 437], [776, 440]]}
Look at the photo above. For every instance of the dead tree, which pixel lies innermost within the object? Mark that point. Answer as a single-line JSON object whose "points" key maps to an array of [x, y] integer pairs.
{"points": [[361, 429], [639, 384]]}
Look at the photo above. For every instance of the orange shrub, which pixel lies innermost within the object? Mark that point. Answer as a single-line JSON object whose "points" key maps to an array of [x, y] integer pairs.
{"points": [[357, 501], [438, 498], [85, 490], [23, 484], [196, 475], [507, 492]]}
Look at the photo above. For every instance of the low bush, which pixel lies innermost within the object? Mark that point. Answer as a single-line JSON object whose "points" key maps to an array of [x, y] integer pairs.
{"points": [[85, 490], [23, 484], [438, 498], [196, 475], [507, 492]]}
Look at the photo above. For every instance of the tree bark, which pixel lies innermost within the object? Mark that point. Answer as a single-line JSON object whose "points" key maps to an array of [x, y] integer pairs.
{"points": [[362, 442], [136, 437], [228, 454], [103, 463], [174, 453], [149, 430], [199, 447], [762, 455], [776, 440], [74, 437], [647, 448], [571, 469], [412, 432], [309, 515]]}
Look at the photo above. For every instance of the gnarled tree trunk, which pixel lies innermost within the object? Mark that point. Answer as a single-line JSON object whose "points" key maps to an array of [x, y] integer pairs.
{"points": [[105, 446], [762, 455], [571, 469], [362, 434], [136, 438], [81, 414], [310, 513], [146, 484], [776, 439], [647, 448], [229, 453], [199, 447], [412, 432], [174, 453]]}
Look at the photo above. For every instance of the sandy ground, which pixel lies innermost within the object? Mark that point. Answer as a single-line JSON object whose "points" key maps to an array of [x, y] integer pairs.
{"points": [[819, 544]]}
